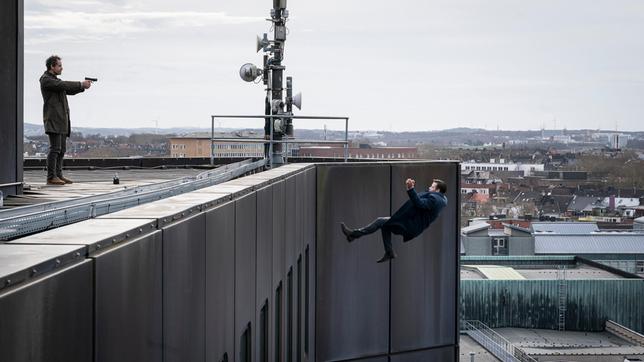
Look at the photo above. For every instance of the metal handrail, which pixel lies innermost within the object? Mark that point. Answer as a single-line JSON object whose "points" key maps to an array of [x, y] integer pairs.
{"points": [[68, 212], [496, 344], [272, 141]]}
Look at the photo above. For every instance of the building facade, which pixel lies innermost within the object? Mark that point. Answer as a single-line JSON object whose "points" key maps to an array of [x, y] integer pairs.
{"points": [[200, 147], [527, 168], [358, 152]]}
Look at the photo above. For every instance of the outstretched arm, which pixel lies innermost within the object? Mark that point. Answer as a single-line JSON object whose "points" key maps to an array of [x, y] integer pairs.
{"points": [[57, 85]]}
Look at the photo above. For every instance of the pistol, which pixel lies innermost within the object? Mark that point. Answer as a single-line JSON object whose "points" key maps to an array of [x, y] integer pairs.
{"points": [[91, 79]]}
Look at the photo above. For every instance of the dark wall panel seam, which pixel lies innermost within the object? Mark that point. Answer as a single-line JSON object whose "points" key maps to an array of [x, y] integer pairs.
{"points": [[390, 262]]}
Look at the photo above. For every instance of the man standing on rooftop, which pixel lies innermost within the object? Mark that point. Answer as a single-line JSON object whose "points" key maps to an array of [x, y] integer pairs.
{"points": [[56, 116], [410, 220]]}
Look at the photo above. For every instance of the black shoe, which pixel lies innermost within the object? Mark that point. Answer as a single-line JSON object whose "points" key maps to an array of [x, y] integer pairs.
{"points": [[349, 233], [388, 256]]}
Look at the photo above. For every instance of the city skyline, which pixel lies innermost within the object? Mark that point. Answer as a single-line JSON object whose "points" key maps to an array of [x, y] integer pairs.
{"points": [[458, 64]]}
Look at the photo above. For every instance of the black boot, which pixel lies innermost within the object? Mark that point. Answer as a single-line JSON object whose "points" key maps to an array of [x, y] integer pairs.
{"points": [[388, 256], [349, 233]]}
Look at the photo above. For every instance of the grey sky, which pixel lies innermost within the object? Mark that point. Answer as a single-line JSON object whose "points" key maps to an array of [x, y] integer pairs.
{"points": [[400, 65]]}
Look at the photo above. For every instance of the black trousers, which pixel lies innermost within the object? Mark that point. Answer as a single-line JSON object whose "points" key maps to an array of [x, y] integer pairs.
{"points": [[57, 148], [379, 223]]}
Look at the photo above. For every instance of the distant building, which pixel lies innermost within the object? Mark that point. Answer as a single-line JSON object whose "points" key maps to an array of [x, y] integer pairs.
{"points": [[551, 134], [200, 147], [501, 165], [621, 249], [546, 293], [358, 152], [618, 141]]}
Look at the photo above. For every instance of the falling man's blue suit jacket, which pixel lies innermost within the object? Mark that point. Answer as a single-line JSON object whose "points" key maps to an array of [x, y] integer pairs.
{"points": [[415, 215]]}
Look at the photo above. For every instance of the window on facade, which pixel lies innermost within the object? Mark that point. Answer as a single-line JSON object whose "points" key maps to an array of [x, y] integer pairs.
{"points": [[306, 300], [245, 345], [289, 315], [263, 333], [278, 322], [299, 307]]}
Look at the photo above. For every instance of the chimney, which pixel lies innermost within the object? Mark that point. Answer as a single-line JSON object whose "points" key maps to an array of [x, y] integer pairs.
{"points": [[611, 203]]}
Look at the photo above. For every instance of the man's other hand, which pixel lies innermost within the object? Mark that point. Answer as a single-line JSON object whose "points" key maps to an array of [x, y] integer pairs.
{"points": [[86, 84], [410, 184]]}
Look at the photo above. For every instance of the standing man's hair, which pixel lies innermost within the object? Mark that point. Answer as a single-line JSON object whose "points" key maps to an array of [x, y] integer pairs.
{"points": [[441, 185], [51, 61]]}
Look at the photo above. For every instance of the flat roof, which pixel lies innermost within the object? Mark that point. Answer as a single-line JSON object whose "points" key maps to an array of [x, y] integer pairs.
{"points": [[594, 243], [545, 342], [467, 345], [534, 272], [90, 183]]}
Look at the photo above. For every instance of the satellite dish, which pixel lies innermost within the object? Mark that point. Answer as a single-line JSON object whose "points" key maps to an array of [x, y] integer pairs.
{"points": [[249, 72], [297, 100]]}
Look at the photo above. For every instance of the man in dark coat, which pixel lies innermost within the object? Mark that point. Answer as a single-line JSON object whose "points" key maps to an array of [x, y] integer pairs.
{"points": [[56, 116], [411, 219]]}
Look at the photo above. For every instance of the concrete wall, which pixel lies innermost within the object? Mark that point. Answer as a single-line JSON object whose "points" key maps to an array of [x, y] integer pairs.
{"points": [[11, 96], [253, 268]]}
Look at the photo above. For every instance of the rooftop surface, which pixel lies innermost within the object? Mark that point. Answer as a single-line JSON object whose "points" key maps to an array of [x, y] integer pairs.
{"points": [[467, 345], [543, 342], [541, 272], [91, 182]]}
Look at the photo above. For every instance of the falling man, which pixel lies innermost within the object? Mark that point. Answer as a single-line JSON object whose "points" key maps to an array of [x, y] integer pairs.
{"points": [[411, 219]]}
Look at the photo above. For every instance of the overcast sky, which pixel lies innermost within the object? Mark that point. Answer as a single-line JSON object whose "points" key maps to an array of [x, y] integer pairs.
{"points": [[404, 65]]}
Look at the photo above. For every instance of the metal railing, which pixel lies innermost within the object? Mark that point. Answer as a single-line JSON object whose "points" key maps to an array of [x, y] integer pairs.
{"points": [[496, 344], [30, 219], [271, 141]]}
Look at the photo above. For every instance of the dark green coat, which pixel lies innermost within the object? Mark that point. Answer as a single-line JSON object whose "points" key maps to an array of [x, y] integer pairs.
{"points": [[55, 111]]}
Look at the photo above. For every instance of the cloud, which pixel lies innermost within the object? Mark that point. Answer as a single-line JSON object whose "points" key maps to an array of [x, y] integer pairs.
{"points": [[89, 25]]}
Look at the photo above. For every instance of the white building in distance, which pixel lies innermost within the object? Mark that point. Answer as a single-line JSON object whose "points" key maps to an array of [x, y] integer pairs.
{"points": [[527, 168]]}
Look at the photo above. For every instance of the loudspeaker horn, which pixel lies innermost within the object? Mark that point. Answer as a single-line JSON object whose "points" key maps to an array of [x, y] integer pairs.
{"points": [[297, 100]]}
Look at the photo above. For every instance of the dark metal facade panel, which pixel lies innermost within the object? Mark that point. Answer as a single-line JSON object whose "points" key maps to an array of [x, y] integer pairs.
{"points": [[49, 319], [128, 295], [290, 221], [425, 275], [220, 283], [352, 312], [300, 212], [279, 269], [245, 269], [309, 265], [184, 290], [442, 354], [290, 258], [11, 96], [264, 272]]}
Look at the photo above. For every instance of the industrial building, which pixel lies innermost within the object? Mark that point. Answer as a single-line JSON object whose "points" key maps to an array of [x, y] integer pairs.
{"points": [[623, 249], [551, 308], [201, 147]]}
